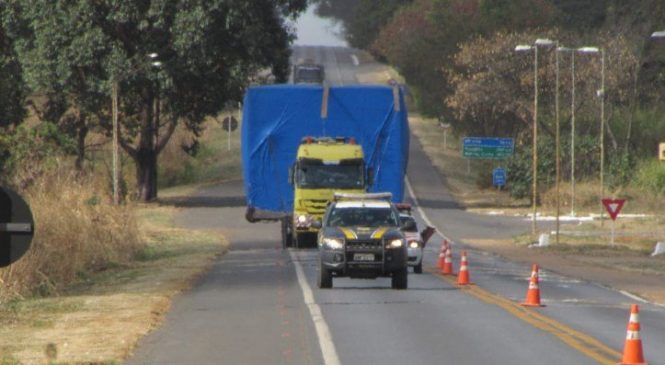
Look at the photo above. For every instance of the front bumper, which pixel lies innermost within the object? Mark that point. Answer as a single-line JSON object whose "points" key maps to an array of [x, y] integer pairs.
{"points": [[415, 256], [354, 260]]}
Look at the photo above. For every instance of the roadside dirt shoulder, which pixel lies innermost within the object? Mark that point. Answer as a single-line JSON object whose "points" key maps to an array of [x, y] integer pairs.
{"points": [[618, 268]]}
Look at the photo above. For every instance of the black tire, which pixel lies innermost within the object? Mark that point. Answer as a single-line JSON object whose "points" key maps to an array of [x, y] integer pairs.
{"points": [[418, 269], [287, 236], [400, 279], [325, 280]]}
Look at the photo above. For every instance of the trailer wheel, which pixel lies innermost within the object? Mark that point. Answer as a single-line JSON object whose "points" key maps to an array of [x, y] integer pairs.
{"points": [[287, 236], [400, 279]]}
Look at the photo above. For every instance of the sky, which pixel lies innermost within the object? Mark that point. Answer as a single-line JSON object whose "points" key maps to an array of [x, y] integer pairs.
{"points": [[315, 31]]}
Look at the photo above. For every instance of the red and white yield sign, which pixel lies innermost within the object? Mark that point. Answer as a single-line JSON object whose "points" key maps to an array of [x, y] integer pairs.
{"points": [[613, 206]]}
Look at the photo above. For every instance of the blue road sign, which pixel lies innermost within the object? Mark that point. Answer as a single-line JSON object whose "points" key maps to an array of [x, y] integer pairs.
{"points": [[487, 147], [499, 177]]}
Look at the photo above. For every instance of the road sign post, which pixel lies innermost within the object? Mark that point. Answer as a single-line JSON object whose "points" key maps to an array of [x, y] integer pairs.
{"points": [[613, 207], [16, 227], [229, 124], [499, 177]]}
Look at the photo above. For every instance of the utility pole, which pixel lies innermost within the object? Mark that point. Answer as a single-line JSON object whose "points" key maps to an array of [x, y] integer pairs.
{"points": [[114, 111]]}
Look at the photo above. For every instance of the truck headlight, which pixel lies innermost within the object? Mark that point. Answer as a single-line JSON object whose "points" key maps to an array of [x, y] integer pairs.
{"points": [[396, 243], [414, 244], [303, 221], [333, 243]]}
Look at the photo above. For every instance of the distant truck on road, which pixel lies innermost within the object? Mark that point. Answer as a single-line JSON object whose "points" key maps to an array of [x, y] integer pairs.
{"points": [[308, 72], [302, 143]]}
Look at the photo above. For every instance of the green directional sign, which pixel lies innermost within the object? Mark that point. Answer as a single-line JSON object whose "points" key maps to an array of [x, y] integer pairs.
{"points": [[490, 148]]}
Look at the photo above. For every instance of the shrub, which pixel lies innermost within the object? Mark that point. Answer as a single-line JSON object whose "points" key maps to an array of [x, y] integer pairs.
{"points": [[76, 232], [650, 176]]}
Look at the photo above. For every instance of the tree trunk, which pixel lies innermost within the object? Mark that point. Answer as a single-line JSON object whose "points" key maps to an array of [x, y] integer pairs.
{"points": [[146, 153], [146, 174], [80, 141], [150, 144]]}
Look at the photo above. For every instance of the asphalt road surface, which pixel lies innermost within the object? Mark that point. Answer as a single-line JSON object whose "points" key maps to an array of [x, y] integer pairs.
{"points": [[260, 305]]}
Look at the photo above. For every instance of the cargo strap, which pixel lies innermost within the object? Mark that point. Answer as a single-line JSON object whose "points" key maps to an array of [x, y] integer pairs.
{"points": [[396, 97], [324, 102]]}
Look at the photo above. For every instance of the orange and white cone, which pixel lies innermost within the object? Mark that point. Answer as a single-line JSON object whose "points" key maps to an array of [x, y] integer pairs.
{"points": [[632, 349], [463, 275], [448, 262], [442, 254], [533, 293]]}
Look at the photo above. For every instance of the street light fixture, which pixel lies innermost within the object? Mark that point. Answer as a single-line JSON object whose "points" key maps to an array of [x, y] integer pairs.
{"points": [[534, 194], [658, 34]]}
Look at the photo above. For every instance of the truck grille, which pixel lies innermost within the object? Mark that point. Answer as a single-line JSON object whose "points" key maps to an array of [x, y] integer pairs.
{"points": [[315, 206]]}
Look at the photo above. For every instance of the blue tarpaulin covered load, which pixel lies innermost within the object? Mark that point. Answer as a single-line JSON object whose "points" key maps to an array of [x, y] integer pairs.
{"points": [[277, 117]]}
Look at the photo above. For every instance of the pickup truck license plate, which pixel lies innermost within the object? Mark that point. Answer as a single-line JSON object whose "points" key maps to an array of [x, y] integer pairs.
{"points": [[363, 257]]}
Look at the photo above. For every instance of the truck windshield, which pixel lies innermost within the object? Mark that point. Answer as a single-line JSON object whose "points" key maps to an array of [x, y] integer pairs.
{"points": [[308, 75], [364, 217], [330, 176]]}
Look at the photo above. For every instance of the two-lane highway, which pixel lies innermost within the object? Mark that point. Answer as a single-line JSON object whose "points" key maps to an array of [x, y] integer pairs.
{"points": [[260, 304]]}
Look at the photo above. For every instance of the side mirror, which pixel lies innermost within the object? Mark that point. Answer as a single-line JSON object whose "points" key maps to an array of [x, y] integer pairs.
{"points": [[408, 225], [316, 224], [291, 169]]}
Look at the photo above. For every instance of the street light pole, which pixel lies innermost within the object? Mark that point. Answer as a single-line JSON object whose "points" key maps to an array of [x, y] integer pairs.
{"points": [[558, 147], [534, 173], [602, 131], [572, 135]]}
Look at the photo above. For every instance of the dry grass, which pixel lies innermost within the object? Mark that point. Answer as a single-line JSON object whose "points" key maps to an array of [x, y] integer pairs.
{"points": [[76, 232], [461, 176], [214, 160], [102, 315]]}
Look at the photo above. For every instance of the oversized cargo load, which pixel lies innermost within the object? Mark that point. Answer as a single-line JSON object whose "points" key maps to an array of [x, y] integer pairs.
{"points": [[276, 118]]}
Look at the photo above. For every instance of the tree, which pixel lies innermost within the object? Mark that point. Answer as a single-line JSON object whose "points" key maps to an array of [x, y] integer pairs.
{"points": [[207, 49], [12, 88]]}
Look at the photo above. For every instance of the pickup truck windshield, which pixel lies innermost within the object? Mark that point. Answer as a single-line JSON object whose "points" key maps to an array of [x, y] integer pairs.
{"points": [[330, 176], [363, 217]]}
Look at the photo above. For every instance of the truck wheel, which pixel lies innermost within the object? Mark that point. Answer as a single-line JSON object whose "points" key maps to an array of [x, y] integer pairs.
{"points": [[400, 279], [418, 269], [325, 277], [287, 236]]}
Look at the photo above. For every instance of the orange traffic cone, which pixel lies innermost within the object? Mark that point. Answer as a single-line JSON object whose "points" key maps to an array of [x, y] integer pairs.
{"points": [[533, 293], [442, 254], [632, 349], [463, 275], [448, 262]]}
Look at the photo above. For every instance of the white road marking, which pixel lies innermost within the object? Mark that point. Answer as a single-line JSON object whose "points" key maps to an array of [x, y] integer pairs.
{"points": [[326, 343], [355, 60], [421, 212], [633, 296]]}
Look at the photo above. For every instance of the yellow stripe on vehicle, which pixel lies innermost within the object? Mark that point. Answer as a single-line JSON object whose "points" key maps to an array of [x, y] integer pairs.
{"points": [[349, 234], [378, 234], [582, 342]]}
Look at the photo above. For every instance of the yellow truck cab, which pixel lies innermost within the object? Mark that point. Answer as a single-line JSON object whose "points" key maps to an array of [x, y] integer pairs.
{"points": [[323, 166]]}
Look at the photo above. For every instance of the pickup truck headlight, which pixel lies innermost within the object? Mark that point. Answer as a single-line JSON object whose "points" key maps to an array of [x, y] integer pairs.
{"points": [[333, 243], [414, 244], [396, 243]]}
